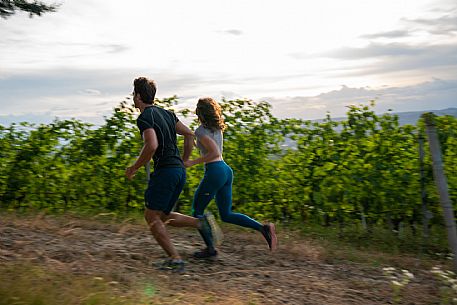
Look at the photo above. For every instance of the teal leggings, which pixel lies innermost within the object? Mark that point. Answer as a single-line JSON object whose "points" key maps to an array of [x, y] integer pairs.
{"points": [[217, 182]]}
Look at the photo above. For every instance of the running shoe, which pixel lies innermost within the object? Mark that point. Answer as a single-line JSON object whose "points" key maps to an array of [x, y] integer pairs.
{"points": [[173, 265], [269, 233], [205, 253]]}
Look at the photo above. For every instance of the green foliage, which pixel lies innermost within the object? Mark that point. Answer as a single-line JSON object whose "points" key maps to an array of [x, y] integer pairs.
{"points": [[69, 164], [9, 7], [363, 170]]}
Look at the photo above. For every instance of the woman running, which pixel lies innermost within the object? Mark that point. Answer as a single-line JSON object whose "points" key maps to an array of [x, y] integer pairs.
{"points": [[218, 178]]}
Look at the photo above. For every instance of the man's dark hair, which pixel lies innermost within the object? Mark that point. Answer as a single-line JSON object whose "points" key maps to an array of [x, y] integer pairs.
{"points": [[146, 88]]}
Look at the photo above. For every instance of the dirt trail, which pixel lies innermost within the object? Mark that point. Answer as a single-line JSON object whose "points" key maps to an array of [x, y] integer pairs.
{"points": [[244, 272]]}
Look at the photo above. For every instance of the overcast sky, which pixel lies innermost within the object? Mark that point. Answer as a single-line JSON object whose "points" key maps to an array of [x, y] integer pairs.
{"points": [[306, 58]]}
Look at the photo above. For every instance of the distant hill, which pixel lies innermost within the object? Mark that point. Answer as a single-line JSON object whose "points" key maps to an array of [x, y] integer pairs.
{"points": [[410, 117]]}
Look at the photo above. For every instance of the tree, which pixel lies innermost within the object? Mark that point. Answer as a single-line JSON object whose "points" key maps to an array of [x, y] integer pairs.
{"points": [[9, 7]]}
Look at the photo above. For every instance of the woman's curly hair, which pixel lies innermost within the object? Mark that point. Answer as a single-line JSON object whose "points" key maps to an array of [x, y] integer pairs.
{"points": [[210, 114]]}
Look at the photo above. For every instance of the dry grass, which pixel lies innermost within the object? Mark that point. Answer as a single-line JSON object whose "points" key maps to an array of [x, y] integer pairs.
{"points": [[35, 285], [104, 259], [30, 284]]}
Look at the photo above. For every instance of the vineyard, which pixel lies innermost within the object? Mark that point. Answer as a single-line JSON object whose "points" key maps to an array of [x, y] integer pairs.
{"points": [[364, 171]]}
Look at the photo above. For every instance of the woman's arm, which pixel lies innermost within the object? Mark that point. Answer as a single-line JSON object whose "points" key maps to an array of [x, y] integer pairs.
{"points": [[213, 153]]}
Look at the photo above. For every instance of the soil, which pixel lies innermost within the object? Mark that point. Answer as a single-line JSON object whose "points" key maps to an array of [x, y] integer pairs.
{"points": [[244, 272]]}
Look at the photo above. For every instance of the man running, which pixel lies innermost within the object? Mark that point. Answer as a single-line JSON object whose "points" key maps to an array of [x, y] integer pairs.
{"points": [[158, 128]]}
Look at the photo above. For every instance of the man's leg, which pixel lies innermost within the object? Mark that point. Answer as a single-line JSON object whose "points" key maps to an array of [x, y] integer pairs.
{"points": [[180, 220], [206, 225], [160, 233], [177, 219]]}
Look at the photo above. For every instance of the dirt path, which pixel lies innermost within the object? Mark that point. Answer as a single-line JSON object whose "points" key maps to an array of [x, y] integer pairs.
{"points": [[243, 273]]}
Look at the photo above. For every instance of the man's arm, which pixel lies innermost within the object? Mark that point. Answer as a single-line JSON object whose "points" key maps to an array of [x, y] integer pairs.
{"points": [[147, 152], [183, 130]]}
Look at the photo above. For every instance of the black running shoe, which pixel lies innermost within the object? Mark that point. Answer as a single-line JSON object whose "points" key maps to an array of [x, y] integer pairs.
{"points": [[205, 253], [173, 265], [268, 231]]}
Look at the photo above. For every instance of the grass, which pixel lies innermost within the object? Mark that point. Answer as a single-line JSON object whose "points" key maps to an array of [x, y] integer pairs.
{"points": [[34, 285], [378, 247], [352, 237]]}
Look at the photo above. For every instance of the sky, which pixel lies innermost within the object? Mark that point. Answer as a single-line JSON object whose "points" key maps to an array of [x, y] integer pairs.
{"points": [[305, 58]]}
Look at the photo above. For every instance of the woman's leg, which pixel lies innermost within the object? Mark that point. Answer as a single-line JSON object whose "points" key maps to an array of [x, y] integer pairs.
{"points": [[202, 197], [205, 192], [224, 204], [212, 181]]}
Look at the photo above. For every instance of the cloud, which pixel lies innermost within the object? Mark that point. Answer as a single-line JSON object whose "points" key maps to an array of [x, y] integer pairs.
{"points": [[116, 48], [379, 57], [389, 34], [42, 118], [229, 94], [90, 92], [434, 94], [430, 95], [63, 93], [444, 25], [25, 84], [234, 32], [422, 45], [394, 58], [374, 50], [26, 51]]}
